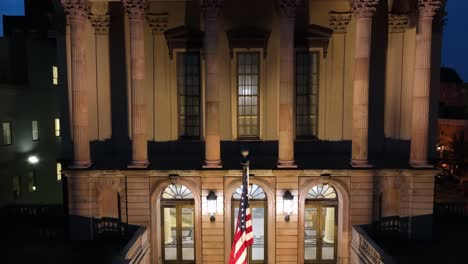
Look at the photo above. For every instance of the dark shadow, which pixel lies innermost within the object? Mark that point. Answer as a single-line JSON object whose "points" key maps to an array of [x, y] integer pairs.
{"points": [[377, 71]]}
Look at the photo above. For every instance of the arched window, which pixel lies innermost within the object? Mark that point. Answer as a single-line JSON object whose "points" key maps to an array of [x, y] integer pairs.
{"points": [[255, 193], [320, 224], [258, 209], [322, 191], [177, 191], [178, 220]]}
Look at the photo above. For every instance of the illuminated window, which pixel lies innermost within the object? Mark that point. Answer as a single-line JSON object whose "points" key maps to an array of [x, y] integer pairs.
{"points": [[32, 187], [57, 127], [59, 171], [248, 68], [307, 86], [54, 75], [188, 84], [35, 130], [177, 191], [6, 128], [321, 192]]}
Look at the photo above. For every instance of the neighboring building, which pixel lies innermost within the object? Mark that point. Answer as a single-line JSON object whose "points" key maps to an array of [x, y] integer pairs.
{"points": [[28, 109], [336, 103]]}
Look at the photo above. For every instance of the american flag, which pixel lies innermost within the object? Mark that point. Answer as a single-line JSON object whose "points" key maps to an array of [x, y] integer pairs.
{"points": [[243, 236]]}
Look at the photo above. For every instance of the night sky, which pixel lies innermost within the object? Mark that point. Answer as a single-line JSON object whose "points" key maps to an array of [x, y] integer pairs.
{"points": [[454, 52]]}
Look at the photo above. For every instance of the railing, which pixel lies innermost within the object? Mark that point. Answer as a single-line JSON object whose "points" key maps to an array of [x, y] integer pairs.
{"points": [[137, 249], [365, 249], [443, 210]]}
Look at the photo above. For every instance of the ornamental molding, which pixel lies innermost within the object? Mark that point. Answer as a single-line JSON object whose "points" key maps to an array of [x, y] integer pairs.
{"points": [[397, 23], [339, 21], [211, 8], [364, 8], [100, 23], [75, 9], [135, 9], [158, 22], [429, 8], [288, 7]]}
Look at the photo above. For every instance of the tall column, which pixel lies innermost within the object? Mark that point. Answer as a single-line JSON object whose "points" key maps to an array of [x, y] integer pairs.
{"points": [[394, 85], [212, 138], [136, 14], [100, 20], [286, 78], [76, 14], [363, 11], [422, 83]]}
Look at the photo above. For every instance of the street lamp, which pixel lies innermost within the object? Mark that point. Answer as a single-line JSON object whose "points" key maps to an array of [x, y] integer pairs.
{"points": [[33, 160]]}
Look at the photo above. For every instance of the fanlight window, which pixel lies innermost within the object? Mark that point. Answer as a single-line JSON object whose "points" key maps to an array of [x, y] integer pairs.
{"points": [[255, 193], [324, 191], [177, 191]]}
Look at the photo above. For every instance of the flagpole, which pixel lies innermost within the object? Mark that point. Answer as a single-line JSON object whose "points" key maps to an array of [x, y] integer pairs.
{"points": [[245, 167]]}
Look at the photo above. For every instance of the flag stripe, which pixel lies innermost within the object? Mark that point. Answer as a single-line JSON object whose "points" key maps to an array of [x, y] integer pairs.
{"points": [[243, 237]]}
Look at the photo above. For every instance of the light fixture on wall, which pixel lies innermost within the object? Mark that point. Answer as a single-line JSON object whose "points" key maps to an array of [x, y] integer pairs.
{"points": [[211, 201], [287, 204]]}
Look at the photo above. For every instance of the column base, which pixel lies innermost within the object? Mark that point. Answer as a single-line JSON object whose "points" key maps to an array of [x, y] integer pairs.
{"points": [[138, 164], [81, 164], [286, 164], [360, 163], [212, 164], [420, 164]]}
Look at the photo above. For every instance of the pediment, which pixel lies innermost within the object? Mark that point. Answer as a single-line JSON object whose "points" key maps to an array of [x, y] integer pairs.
{"points": [[183, 38]]}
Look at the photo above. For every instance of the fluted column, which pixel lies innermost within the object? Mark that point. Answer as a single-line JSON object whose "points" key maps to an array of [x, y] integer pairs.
{"points": [[212, 136], [286, 78], [100, 20], [422, 83], [363, 11], [76, 14], [136, 14]]}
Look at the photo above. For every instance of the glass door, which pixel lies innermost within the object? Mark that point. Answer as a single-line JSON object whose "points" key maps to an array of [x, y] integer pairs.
{"points": [[320, 233], [177, 232]]}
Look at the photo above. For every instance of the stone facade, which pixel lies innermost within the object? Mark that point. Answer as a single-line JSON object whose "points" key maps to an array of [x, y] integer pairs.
{"points": [[356, 110]]}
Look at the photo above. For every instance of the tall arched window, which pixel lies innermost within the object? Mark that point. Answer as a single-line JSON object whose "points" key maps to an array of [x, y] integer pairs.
{"points": [[178, 221], [320, 224], [258, 208]]}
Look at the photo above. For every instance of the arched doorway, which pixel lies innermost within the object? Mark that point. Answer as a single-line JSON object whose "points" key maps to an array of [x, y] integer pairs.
{"points": [[173, 228], [230, 194], [324, 195], [320, 225], [258, 208], [177, 225]]}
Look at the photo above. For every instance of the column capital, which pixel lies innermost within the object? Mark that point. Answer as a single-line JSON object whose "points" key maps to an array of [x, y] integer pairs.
{"points": [[135, 9], [75, 9], [211, 8], [428, 8], [364, 8], [339, 21], [288, 7], [100, 23], [158, 22], [397, 23]]}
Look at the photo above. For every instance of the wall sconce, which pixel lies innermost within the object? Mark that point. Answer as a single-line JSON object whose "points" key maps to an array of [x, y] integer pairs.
{"points": [[287, 204], [211, 200]]}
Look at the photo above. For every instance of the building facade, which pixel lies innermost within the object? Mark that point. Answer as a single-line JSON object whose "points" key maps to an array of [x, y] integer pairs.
{"points": [[332, 98], [29, 110]]}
